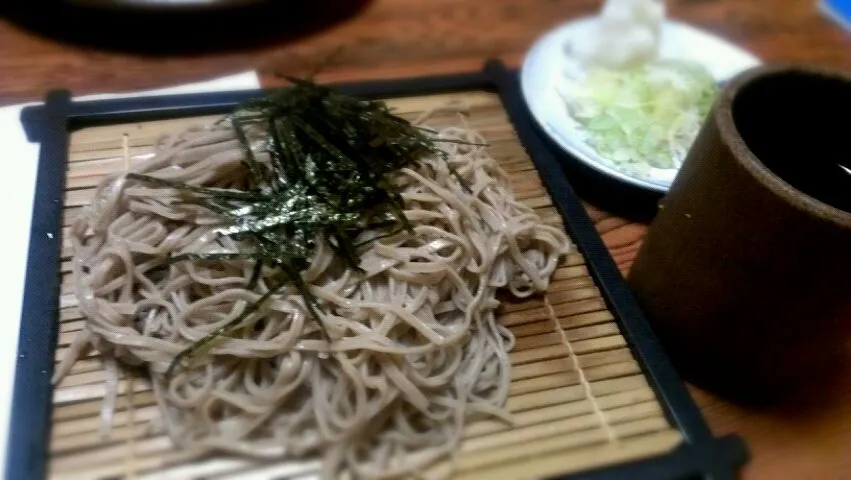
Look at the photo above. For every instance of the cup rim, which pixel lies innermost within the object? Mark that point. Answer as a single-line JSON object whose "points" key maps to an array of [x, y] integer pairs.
{"points": [[723, 116]]}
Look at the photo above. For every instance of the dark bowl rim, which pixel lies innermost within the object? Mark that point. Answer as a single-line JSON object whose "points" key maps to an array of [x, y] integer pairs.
{"points": [[730, 136]]}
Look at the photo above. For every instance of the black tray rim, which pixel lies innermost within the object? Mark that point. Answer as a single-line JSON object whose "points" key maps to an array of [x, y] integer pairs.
{"points": [[701, 455]]}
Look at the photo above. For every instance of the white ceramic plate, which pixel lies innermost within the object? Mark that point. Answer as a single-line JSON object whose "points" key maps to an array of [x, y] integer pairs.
{"points": [[546, 62]]}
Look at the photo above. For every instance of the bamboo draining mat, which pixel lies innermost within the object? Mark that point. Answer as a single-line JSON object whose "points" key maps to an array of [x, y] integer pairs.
{"points": [[578, 396]]}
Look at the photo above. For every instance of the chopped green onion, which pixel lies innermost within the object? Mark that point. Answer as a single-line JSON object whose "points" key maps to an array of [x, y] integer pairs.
{"points": [[645, 117]]}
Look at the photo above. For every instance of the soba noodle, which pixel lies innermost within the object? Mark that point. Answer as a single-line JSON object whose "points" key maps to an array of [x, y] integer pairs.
{"points": [[416, 350]]}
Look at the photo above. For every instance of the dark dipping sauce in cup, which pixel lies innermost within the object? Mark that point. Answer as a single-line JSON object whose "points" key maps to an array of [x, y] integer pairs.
{"points": [[802, 152]]}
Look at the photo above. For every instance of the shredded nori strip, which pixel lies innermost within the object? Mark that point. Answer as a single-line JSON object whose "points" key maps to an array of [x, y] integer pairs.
{"points": [[328, 177]]}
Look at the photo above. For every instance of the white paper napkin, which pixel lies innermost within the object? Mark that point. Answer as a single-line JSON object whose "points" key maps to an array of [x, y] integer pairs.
{"points": [[20, 160]]}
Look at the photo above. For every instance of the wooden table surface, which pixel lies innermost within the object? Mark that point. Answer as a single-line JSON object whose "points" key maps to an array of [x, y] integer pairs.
{"points": [[808, 437]]}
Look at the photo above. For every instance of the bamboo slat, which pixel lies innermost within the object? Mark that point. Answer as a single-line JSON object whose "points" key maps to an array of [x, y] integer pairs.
{"points": [[578, 398]]}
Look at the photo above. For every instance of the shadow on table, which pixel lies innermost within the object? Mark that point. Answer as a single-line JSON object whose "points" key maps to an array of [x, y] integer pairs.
{"points": [[604, 192], [813, 406], [169, 31]]}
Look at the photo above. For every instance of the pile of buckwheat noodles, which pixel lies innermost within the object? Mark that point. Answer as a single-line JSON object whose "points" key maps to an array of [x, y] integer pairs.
{"points": [[415, 350]]}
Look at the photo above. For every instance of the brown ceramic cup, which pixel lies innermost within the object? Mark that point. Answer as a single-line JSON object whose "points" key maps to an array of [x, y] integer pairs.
{"points": [[745, 273]]}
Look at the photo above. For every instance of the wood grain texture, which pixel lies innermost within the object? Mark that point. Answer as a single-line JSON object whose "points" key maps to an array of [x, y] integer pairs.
{"points": [[386, 38], [807, 438]]}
